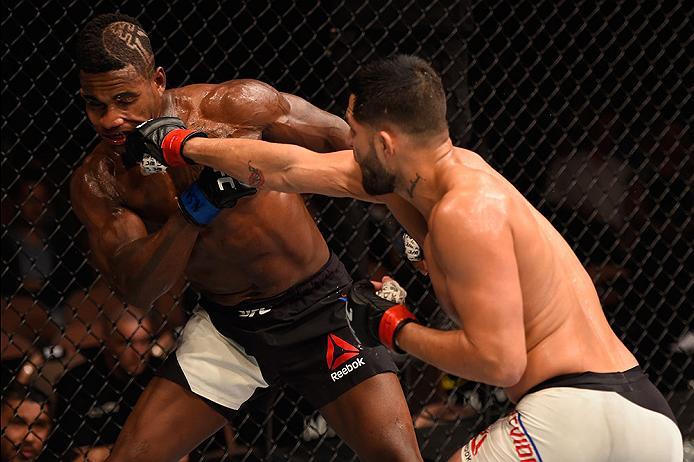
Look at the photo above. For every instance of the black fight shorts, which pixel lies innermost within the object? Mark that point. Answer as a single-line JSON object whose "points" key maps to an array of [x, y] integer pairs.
{"points": [[229, 354]]}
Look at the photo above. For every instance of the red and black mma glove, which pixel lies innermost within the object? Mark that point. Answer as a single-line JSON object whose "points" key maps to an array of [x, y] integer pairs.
{"points": [[163, 139], [209, 194], [375, 320]]}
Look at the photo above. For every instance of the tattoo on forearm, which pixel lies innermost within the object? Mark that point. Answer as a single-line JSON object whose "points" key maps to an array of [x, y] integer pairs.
{"points": [[413, 184], [255, 177]]}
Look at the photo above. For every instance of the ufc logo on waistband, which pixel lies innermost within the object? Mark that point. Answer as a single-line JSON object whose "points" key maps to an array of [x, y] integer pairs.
{"points": [[251, 313]]}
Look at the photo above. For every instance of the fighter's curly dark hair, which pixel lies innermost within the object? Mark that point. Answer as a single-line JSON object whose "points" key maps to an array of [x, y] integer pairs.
{"points": [[110, 42]]}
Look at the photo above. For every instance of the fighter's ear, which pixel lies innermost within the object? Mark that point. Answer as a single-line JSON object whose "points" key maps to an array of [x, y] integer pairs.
{"points": [[159, 79], [387, 143]]}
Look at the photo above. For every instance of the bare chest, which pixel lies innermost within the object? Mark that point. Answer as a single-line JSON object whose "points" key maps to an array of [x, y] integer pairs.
{"points": [[438, 280], [151, 197]]}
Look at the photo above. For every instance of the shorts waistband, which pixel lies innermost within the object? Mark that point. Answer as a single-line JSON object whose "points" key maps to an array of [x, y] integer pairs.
{"points": [[332, 266], [632, 384], [610, 381]]}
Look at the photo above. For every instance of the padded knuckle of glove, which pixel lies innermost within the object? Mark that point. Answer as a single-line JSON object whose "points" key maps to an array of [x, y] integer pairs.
{"points": [[363, 293], [392, 291], [376, 317], [160, 141]]}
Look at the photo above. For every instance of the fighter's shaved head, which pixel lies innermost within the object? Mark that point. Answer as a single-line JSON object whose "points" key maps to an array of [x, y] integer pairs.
{"points": [[113, 41]]}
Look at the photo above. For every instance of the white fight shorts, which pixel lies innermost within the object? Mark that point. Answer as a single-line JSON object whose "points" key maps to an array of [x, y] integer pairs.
{"points": [[618, 417]]}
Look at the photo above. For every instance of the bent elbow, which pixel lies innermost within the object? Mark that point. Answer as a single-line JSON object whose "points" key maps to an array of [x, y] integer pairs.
{"points": [[509, 378], [510, 370], [131, 291]]}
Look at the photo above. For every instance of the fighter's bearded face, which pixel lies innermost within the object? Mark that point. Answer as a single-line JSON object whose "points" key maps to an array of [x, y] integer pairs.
{"points": [[117, 101], [376, 180]]}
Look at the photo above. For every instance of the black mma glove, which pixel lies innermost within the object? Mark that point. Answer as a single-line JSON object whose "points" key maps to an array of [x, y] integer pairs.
{"points": [[212, 192], [163, 139], [375, 319]]}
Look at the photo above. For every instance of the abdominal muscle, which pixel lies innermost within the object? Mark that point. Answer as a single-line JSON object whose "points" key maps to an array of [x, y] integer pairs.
{"points": [[259, 249]]}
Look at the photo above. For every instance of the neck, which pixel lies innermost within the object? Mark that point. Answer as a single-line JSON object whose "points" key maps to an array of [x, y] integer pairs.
{"points": [[166, 105], [417, 175]]}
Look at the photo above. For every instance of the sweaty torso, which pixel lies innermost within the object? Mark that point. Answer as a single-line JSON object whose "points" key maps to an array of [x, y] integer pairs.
{"points": [[565, 328], [257, 249]]}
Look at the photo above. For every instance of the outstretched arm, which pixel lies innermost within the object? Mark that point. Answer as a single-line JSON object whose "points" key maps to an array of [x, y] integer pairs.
{"points": [[264, 165], [281, 117], [290, 168], [281, 167], [300, 122]]}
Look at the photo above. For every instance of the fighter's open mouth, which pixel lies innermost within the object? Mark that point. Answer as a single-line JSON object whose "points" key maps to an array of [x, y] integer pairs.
{"points": [[116, 139]]}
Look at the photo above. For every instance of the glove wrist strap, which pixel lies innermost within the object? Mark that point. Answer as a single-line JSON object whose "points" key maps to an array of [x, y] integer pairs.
{"points": [[172, 146], [391, 322], [196, 207], [396, 346]]}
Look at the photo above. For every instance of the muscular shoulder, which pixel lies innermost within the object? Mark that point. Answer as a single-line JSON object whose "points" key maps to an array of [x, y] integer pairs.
{"points": [[478, 207], [94, 181], [249, 102], [96, 175]]}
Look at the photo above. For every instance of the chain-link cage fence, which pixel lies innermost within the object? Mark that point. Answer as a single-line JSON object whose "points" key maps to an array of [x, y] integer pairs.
{"points": [[585, 107]]}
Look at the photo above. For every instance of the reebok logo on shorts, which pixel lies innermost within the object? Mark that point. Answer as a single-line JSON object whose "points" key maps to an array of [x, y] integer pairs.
{"points": [[474, 445], [476, 441], [339, 352]]}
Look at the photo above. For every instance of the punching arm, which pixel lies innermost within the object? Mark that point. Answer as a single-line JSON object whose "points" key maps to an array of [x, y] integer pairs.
{"points": [[473, 250]]}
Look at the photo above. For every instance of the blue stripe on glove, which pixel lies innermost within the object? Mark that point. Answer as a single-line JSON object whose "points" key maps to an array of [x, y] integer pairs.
{"points": [[196, 205]]}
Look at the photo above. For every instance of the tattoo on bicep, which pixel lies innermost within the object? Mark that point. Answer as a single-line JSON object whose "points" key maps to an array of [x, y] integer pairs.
{"points": [[413, 184], [255, 177]]}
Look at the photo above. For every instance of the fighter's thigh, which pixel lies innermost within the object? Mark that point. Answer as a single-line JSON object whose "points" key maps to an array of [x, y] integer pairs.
{"points": [[167, 423], [505, 440], [374, 420], [487, 446]]}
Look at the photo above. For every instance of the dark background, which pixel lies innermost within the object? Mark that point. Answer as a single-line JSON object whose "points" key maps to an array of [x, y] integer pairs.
{"points": [[540, 89]]}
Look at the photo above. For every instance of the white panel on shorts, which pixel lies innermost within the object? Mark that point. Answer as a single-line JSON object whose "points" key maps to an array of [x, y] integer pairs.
{"points": [[215, 366], [564, 424]]}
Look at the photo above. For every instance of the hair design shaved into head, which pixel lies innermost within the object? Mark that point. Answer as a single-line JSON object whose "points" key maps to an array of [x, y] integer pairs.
{"points": [[113, 41]]}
